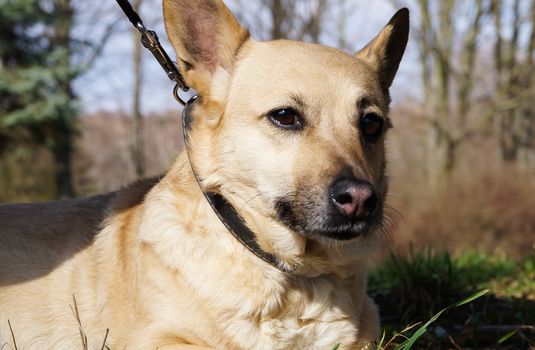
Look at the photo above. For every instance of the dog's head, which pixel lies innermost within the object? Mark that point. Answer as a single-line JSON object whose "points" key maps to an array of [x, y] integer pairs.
{"points": [[294, 131]]}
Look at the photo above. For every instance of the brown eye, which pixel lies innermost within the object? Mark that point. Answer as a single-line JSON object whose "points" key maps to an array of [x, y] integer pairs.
{"points": [[371, 127], [287, 118]]}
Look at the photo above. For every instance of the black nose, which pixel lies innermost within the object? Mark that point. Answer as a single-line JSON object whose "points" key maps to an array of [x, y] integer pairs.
{"points": [[354, 198]]}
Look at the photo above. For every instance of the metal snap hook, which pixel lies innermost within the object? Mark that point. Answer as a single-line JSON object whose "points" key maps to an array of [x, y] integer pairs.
{"points": [[177, 96]]}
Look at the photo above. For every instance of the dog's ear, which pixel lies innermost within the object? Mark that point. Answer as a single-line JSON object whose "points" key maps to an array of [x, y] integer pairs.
{"points": [[385, 51], [206, 37]]}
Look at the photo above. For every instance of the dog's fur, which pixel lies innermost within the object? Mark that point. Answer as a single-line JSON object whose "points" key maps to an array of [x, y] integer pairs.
{"points": [[153, 264]]}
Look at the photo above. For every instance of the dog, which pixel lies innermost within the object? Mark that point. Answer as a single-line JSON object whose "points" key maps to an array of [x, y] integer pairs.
{"points": [[291, 135]]}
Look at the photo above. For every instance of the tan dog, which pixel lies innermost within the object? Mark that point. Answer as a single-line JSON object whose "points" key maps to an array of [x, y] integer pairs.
{"points": [[292, 135]]}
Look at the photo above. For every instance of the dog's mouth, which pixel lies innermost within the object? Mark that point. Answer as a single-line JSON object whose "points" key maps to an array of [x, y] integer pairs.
{"points": [[322, 221]]}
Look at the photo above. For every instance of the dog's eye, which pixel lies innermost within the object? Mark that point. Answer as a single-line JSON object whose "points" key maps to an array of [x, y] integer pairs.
{"points": [[287, 118], [371, 127]]}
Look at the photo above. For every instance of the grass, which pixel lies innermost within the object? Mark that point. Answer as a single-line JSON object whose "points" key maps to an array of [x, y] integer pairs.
{"points": [[83, 336], [414, 288], [12, 335], [409, 342]]}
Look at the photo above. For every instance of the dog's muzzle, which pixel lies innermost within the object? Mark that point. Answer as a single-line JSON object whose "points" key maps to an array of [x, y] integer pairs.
{"points": [[349, 208]]}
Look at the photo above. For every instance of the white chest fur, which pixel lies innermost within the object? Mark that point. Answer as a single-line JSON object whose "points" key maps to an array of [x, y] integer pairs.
{"points": [[308, 314], [325, 331]]}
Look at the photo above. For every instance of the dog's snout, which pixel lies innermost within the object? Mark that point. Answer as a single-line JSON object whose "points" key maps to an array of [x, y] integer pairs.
{"points": [[354, 198]]}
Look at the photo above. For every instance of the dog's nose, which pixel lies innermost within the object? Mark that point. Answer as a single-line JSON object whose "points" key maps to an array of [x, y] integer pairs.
{"points": [[354, 198]]}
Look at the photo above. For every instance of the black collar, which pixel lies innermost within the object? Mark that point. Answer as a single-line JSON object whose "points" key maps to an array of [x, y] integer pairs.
{"points": [[224, 210]]}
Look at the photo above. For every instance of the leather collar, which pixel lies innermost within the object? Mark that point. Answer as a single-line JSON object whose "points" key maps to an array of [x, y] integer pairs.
{"points": [[223, 209]]}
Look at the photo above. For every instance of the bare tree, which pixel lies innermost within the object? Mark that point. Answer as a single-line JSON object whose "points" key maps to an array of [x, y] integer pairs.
{"points": [[137, 134], [291, 19], [528, 140], [280, 12], [466, 69], [341, 24], [441, 75], [62, 148], [515, 80]]}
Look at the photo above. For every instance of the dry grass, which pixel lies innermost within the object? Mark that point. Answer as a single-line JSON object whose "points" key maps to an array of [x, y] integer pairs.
{"points": [[489, 211], [486, 205]]}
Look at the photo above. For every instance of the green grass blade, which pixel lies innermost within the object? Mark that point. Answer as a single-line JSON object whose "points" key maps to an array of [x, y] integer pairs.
{"points": [[381, 342], [469, 299], [507, 336], [406, 345]]}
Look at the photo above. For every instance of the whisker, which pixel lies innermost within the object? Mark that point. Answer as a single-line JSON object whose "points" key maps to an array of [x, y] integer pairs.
{"points": [[248, 201]]}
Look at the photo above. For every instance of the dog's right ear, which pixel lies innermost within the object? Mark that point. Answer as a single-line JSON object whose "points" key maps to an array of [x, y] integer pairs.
{"points": [[206, 37]]}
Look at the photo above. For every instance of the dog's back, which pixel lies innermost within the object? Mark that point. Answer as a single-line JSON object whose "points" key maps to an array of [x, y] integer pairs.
{"points": [[44, 248], [36, 238]]}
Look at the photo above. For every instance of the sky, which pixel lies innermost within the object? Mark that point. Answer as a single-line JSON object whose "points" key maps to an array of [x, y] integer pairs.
{"points": [[107, 85]]}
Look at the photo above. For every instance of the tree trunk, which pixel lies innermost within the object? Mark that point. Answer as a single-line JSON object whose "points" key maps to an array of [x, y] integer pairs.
{"points": [[435, 51], [441, 160], [466, 76], [509, 119], [280, 12], [508, 140], [137, 134], [62, 152], [62, 149], [527, 141], [341, 25], [312, 21]]}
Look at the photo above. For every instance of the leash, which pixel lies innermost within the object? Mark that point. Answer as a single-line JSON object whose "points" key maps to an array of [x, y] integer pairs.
{"points": [[150, 41], [222, 208]]}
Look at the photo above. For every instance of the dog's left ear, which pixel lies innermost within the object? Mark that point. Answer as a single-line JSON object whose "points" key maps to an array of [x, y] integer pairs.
{"points": [[385, 51], [206, 37]]}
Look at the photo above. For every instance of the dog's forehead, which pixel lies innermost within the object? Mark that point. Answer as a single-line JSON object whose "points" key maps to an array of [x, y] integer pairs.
{"points": [[308, 69]]}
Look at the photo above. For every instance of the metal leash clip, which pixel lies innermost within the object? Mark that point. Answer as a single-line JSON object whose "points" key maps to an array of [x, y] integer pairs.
{"points": [[150, 41]]}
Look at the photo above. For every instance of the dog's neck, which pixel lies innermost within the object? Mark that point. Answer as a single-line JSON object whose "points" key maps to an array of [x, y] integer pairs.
{"points": [[310, 258], [227, 213]]}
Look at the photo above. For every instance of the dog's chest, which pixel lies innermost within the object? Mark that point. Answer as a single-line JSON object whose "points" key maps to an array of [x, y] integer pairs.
{"points": [[310, 317], [323, 332]]}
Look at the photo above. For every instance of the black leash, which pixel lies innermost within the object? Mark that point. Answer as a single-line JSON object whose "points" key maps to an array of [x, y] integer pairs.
{"points": [[223, 209], [150, 41]]}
